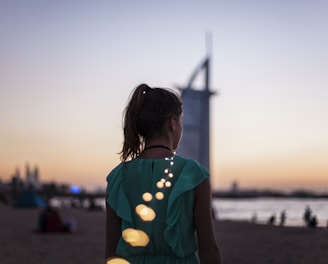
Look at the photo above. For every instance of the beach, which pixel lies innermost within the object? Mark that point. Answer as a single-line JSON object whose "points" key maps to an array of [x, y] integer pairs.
{"points": [[240, 242]]}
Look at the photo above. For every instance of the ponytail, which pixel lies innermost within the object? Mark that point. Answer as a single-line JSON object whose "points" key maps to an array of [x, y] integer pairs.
{"points": [[132, 140]]}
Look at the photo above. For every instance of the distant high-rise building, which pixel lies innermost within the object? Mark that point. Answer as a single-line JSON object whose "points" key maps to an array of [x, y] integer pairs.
{"points": [[32, 178], [195, 142], [27, 175], [234, 187], [36, 182], [17, 173]]}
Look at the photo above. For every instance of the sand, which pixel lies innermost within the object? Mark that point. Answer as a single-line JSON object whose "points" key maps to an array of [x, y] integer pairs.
{"points": [[240, 242]]}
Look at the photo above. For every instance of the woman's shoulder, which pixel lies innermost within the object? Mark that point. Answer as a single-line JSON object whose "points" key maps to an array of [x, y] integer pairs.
{"points": [[191, 163], [115, 172], [191, 171]]}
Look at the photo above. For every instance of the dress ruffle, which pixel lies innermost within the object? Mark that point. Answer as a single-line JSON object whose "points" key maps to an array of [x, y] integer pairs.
{"points": [[190, 177], [118, 201], [116, 196]]}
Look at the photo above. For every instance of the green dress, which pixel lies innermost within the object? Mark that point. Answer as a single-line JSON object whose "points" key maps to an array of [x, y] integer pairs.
{"points": [[171, 182]]}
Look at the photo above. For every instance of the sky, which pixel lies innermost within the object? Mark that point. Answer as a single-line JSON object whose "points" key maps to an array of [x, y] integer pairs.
{"points": [[68, 67]]}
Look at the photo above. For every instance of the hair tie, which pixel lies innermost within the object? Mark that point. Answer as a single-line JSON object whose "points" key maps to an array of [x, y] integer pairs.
{"points": [[146, 89]]}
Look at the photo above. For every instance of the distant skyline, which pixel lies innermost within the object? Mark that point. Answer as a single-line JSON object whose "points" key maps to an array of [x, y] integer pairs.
{"points": [[68, 67]]}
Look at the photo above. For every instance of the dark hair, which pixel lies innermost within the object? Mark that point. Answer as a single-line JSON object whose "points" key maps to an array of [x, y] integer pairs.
{"points": [[145, 116]]}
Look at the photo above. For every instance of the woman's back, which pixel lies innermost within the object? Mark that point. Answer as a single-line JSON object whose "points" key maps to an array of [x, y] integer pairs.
{"points": [[156, 197]]}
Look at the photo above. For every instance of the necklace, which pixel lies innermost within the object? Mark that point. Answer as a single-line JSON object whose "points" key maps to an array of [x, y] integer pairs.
{"points": [[158, 146]]}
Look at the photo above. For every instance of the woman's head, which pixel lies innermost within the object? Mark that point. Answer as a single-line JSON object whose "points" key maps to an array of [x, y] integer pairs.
{"points": [[146, 115]]}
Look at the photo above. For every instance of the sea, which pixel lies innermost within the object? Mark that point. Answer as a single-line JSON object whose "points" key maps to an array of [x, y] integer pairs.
{"points": [[257, 210]]}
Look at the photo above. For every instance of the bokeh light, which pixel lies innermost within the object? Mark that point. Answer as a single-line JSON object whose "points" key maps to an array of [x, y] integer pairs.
{"points": [[135, 237], [146, 213]]}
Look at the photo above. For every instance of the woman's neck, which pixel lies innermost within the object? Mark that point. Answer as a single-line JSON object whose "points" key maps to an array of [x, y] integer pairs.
{"points": [[158, 146], [157, 149]]}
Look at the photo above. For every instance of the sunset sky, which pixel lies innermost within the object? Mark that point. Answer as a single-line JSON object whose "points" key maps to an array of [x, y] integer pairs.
{"points": [[68, 67]]}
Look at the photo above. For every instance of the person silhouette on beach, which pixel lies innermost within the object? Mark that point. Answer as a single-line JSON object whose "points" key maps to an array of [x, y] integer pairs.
{"points": [[282, 217], [307, 215], [158, 204], [254, 218], [313, 223], [272, 219], [50, 220]]}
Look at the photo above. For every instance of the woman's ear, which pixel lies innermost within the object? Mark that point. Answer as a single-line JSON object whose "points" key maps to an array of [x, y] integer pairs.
{"points": [[173, 123]]}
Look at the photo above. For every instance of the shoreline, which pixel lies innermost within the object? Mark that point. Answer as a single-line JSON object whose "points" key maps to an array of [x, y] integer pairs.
{"points": [[240, 241]]}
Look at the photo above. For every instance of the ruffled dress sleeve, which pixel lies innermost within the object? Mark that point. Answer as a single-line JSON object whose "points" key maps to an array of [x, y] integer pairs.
{"points": [[180, 209], [116, 196]]}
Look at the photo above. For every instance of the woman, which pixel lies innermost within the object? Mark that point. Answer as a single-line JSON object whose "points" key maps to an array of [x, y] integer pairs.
{"points": [[158, 203]]}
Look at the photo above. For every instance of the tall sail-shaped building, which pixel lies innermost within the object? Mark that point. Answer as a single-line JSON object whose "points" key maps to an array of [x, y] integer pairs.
{"points": [[195, 142]]}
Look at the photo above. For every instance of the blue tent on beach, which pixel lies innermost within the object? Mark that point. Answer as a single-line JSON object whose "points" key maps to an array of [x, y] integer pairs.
{"points": [[30, 199]]}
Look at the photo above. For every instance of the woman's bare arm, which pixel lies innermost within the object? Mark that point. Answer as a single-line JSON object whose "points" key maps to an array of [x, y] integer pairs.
{"points": [[113, 232], [209, 252]]}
